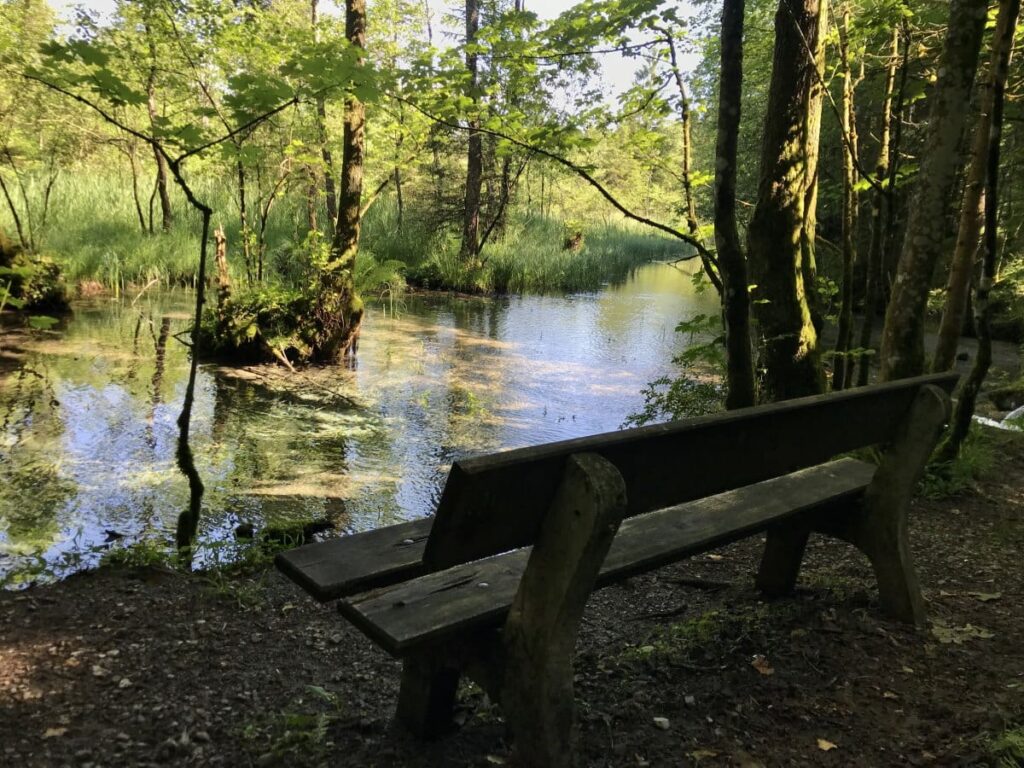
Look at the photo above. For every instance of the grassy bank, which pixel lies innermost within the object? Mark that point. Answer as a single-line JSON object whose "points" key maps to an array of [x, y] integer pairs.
{"points": [[93, 231]]}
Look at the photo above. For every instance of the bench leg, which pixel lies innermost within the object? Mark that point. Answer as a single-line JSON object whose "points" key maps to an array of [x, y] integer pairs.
{"points": [[540, 632], [426, 700], [880, 529], [783, 554]]}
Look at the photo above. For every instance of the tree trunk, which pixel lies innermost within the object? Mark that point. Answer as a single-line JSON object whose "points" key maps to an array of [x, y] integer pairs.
{"points": [[813, 44], [972, 213], [325, 150], [243, 215], [1002, 48], [781, 230], [339, 310], [842, 363], [731, 260], [135, 186], [903, 336], [881, 197], [475, 156], [161, 161]]}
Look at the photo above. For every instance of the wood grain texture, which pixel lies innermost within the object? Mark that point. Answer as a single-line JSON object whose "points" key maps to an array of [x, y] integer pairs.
{"points": [[350, 564], [438, 605], [495, 503], [540, 630], [880, 528]]}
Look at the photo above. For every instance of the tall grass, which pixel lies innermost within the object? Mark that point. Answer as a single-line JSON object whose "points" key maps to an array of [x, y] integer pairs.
{"points": [[93, 232]]}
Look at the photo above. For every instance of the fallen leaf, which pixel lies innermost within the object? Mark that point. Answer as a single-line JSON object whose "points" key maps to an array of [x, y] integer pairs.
{"points": [[52, 733], [702, 754], [889, 695], [825, 745], [959, 635], [986, 597], [760, 663]]}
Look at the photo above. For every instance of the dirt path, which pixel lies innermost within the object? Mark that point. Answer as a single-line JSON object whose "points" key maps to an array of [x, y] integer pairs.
{"points": [[148, 667]]}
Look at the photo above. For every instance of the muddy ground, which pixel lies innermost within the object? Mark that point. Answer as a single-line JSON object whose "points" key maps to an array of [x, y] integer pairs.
{"points": [[686, 666]]}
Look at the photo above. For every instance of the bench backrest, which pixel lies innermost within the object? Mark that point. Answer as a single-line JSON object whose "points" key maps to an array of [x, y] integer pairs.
{"points": [[495, 503]]}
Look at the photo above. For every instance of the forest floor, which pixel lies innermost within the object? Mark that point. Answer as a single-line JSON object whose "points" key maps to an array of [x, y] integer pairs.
{"points": [[684, 666]]}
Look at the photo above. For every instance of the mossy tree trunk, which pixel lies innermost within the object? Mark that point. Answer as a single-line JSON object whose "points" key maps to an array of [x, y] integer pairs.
{"points": [[843, 363], [781, 231], [339, 311], [731, 259], [972, 214], [902, 352], [1002, 47]]}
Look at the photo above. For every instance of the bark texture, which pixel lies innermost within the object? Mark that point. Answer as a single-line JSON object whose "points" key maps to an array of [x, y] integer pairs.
{"points": [[340, 311], [972, 214], [731, 259], [475, 155], [880, 198], [781, 231], [902, 352], [1002, 46]]}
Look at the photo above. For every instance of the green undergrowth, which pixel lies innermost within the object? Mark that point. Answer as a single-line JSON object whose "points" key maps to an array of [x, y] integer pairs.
{"points": [[713, 633], [1006, 749], [302, 730], [93, 230], [962, 474]]}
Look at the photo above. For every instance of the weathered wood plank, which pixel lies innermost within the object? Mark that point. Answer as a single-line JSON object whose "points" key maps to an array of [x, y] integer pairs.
{"points": [[880, 529], [540, 632], [495, 503], [437, 605], [350, 564]]}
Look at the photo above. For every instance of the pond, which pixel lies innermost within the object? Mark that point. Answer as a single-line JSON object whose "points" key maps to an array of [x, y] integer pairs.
{"points": [[88, 434]]}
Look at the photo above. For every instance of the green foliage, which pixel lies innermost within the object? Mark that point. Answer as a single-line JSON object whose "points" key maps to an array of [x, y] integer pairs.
{"points": [[145, 553], [259, 324], [1006, 750], [977, 455], [302, 731], [697, 389], [33, 282]]}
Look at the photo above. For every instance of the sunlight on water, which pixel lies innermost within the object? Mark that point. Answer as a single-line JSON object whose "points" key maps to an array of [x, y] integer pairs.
{"points": [[88, 433]]}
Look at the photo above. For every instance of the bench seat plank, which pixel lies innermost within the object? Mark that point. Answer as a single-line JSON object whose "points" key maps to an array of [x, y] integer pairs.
{"points": [[432, 607], [350, 564]]}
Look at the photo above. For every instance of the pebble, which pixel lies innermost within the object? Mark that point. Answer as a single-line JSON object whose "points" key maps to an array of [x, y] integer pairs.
{"points": [[662, 723]]}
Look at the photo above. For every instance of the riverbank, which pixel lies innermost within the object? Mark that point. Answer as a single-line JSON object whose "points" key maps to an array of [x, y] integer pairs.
{"points": [[148, 666]]}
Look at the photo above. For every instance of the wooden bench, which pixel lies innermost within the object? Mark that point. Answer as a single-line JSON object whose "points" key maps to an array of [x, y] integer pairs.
{"points": [[495, 584]]}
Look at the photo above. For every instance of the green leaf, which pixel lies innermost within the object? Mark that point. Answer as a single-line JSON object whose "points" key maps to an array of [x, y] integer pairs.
{"points": [[42, 322]]}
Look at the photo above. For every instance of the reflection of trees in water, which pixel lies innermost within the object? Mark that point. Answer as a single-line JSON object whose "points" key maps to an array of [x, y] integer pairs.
{"points": [[33, 490]]}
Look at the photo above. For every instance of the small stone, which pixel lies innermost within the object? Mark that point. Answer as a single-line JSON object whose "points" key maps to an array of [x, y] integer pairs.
{"points": [[690, 700], [124, 683], [201, 736], [662, 723]]}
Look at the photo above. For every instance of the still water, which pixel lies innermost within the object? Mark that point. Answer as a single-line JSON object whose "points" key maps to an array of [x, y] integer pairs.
{"points": [[88, 433]]}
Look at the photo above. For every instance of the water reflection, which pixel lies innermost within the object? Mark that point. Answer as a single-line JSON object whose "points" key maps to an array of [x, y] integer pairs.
{"points": [[87, 414]]}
